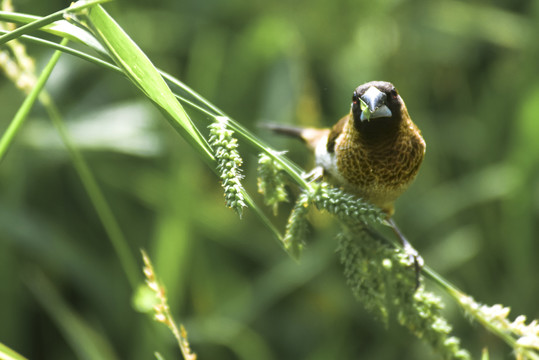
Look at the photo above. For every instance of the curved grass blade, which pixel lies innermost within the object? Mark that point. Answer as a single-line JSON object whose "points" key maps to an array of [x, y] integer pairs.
{"points": [[47, 20], [18, 121], [139, 69], [9, 354], [86, 341], [61, 28]]}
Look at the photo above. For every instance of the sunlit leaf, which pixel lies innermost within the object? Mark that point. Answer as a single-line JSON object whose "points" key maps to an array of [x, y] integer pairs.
{"points": [[139, 69]]}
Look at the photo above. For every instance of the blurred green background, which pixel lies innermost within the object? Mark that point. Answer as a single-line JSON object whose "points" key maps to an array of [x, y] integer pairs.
{"points": [[469, 73]]}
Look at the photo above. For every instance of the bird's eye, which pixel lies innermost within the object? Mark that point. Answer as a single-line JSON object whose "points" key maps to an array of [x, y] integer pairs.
{"points": [[393, 93], [355, 97]]}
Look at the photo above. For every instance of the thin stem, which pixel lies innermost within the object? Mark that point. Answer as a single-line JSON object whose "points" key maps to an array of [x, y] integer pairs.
{"points": [[287, 165], [96, 196], [192, 92], [466, 303], [162, 309], [292, 169], [44, 21], [102, 208], [22, 114], [463, 300], [262, 216], [67, 50]]}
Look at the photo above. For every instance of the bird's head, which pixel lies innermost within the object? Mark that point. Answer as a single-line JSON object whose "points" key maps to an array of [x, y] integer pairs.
{"points": [[374, 101]]}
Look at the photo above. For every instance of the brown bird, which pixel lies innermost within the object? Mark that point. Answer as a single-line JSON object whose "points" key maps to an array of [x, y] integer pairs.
{"points": [[374, 152]]}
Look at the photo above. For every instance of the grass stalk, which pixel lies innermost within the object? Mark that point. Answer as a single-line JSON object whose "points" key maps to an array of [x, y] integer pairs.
{"points": [[22, 114]]}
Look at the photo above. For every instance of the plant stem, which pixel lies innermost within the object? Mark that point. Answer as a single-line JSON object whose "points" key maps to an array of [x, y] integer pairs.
{"points": [[44, 21], [22, 114], [102, 208]]}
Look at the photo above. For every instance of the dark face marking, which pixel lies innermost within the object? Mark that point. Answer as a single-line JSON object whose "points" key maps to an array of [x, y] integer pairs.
{"points": [[392, 101]]}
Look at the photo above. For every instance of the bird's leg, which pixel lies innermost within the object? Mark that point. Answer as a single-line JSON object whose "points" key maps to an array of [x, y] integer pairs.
{"points": [[315, 174], [409, 250]]}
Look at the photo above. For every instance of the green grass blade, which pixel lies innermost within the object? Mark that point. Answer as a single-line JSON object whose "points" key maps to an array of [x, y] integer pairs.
{"points": [[139, 69], [203, 105], [18, 121], [44, 21], [8, 354], [60, 28], [68, 50], [98, 199], [87, 342]]}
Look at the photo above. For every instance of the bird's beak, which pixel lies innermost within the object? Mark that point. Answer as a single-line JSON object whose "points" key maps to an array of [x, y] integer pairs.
{"points": [[376, 107]]}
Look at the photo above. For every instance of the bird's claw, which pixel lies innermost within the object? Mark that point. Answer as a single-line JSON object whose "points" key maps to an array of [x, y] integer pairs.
{"points": [[413, 255], [415, 259], [314, 175]]}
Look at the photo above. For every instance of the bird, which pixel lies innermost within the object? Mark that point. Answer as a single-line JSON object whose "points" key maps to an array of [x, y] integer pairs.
{"points": [[374, 152]]}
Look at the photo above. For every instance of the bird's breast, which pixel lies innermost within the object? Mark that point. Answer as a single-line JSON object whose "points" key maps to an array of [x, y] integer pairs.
{"points": [[389, 165], [378, 172]]}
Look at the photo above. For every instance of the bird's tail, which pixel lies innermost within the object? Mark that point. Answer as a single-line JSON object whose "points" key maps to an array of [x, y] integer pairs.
{"points": [[286, 130], [310, 136]]}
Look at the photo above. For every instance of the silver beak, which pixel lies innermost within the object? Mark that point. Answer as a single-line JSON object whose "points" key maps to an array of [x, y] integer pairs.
{"points": [[376, 107]]}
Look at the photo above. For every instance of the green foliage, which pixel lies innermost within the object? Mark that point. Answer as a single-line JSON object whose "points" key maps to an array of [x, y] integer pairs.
{"points": [[139, 69], [381, 278], [365, 109], [9, 354], [19, 119], [524, 338], [472, 212], [383, 281]]}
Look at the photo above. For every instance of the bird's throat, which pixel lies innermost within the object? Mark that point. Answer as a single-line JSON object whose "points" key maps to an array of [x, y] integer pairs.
{"points": [[377, 131]]}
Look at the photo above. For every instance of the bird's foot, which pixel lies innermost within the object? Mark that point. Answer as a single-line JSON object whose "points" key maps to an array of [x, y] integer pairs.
{"points": [[414, 258], [315, 174], [413, 255]]}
